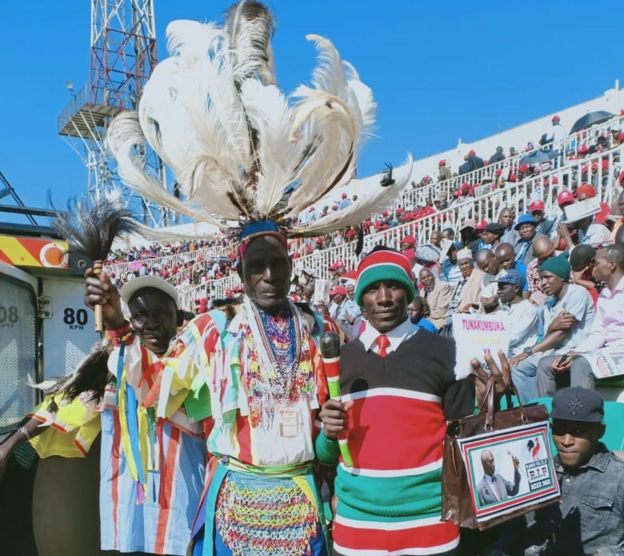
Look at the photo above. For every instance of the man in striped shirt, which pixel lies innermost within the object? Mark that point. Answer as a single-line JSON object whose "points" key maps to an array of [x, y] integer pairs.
{"points": [[398, 388]]}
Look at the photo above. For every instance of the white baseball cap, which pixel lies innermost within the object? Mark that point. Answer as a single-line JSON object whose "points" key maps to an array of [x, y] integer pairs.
{"points": [[136, 284]]}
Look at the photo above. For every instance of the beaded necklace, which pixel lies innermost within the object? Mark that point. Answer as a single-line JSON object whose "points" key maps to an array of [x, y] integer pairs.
{"points": [[276, 361], [280, 333]]}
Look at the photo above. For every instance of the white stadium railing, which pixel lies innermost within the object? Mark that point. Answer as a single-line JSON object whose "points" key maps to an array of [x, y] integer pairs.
{"points": [[210, 252], [413, 197], [486, 204], [443, 189], [516, 195]]}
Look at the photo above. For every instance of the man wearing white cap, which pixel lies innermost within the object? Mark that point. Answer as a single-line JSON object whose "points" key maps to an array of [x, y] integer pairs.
{"points": [[471, 292], [143, 458], [468, 290]]}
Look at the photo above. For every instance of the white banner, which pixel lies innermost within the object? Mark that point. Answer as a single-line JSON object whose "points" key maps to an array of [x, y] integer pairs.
{"points": [[475, 336]]}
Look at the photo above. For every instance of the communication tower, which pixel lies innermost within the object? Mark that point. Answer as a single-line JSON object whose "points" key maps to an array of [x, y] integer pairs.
{"points": [[122, 57]]}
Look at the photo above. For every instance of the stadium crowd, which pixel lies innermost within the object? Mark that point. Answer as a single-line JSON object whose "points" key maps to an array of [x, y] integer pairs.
{"points": [[350, 409], [471, 180], [556, 277]]}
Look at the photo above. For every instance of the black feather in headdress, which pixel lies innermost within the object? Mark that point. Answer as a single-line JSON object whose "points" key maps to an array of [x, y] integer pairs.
{"points": [[386, 178]]}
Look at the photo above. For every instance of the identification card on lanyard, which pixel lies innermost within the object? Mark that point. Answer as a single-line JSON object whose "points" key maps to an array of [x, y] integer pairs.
{"points": [[289, 423]]}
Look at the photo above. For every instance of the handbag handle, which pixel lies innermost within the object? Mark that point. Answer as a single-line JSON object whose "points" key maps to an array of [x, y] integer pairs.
{"points": [[489, 399]]}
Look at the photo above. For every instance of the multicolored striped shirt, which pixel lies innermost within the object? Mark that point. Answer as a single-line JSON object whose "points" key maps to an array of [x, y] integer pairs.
{"points": [[153, 512]]}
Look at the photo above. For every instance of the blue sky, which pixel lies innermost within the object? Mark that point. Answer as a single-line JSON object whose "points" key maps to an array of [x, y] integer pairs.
{"points": [[439, 70]]}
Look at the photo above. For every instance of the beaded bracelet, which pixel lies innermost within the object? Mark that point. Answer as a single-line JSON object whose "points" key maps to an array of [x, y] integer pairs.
{"points": [[119, 332], [119, 335]]}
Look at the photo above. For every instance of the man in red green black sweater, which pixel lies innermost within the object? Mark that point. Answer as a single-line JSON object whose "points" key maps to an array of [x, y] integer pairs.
{"points": [[398, 390]]}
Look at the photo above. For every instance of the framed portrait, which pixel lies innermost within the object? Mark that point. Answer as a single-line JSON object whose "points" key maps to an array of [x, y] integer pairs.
{"points": [[509, 470]]}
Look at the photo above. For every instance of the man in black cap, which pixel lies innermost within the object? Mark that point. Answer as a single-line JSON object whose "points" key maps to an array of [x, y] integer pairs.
{"points": [[491, 235], [590, 516]]}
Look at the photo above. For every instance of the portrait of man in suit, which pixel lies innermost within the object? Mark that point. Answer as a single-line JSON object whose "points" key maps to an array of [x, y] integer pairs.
{"points": [[493, 487]]}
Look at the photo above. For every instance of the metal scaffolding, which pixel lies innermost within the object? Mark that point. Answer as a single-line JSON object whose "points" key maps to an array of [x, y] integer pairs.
{"points": [[122, 57]]}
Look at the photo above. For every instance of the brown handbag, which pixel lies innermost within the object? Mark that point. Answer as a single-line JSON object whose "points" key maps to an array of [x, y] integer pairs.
{"points": [[458, 493]]}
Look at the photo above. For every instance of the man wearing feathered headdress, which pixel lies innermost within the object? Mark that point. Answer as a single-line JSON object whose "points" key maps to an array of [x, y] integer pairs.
{"points": [[242, 151]]}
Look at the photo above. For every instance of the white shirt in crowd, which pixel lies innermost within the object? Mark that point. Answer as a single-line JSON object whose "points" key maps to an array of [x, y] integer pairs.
{"points": [[489, 286], [578, 302], [522, 323], [596, 234], [607, 329]]}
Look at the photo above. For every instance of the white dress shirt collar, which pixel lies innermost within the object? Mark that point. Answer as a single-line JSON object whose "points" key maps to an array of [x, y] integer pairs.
{"points": [[396, 336]]}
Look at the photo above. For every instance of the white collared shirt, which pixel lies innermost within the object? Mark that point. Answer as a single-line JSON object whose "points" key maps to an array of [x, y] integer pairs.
{"points": [[607, 330], [396, 336]]}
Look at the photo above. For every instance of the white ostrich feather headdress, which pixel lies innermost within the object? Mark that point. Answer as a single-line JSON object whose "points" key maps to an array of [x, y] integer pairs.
{"points": [[239, 148]]}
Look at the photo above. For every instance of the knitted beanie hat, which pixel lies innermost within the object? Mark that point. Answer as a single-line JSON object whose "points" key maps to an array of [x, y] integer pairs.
{"points": [[383, 263], [558, 265]]}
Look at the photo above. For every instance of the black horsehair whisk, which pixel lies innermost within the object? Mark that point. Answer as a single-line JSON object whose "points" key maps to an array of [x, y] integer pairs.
{"points": [[90, 228]]}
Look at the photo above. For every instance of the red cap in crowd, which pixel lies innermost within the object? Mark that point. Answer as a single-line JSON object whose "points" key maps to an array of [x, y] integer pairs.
{"points": [[481, 225], [556, 118], [583, 149], [338, 290], [523, 168], [409, 240], [536, 206], [498, 172], [586, 191], [442, 163], [566, 197]]}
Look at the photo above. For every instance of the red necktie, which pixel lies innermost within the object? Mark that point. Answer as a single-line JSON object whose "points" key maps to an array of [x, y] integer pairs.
{"points": [[382, 344]]}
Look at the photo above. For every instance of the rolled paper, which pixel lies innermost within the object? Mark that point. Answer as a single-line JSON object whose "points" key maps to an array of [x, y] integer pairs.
{"points": [[330, 351]]}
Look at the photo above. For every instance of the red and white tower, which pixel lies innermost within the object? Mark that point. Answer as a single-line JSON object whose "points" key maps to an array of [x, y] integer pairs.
{"points": [[122, 57]]}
